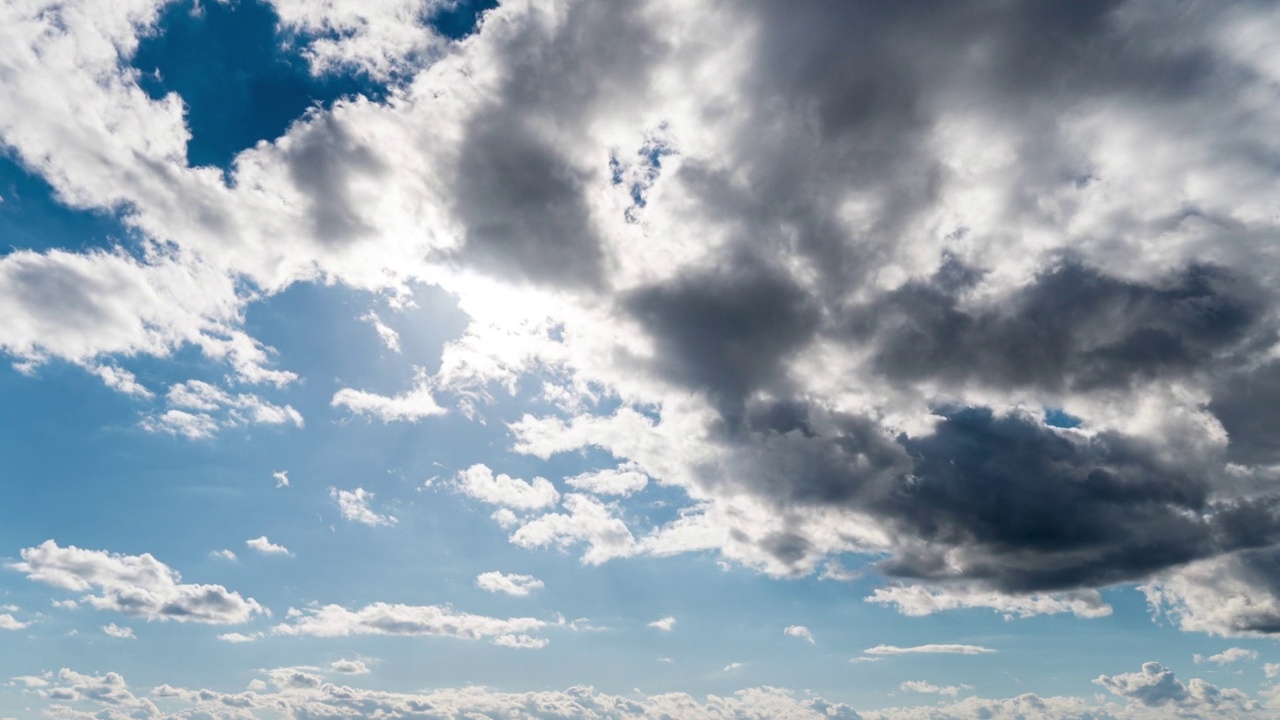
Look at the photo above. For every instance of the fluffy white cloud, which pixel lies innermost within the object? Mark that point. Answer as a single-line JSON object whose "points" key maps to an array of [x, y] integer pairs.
{"points": [[1227, 656], [397, 619], [944, 649], [136, 585], [115, 631], [9, 622], [622, 480], [511, 584], [198, 410], [799, 631], [349, 667], [380, 37], [479, 482], [1231, 595], [587, 521], [281, 478], [266, 547], [389, 337], [412, 406], [665, 624], [354, 505], [920, 686], [223, 554]]}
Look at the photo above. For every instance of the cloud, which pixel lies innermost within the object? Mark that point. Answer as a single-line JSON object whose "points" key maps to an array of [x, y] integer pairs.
{"points": [[396, 619], [8, 622], [354, 505], [349, 667], [389, 337], [411, 406], [518, 585], [920, 686], [115, 631], [587, 521], [944, 649], [1156, 686], [732, 666], [666, 624], [223, 554], [479, 482], [281, 478], [799, 631], [623, 480], [135, 585], [266, 547], [840, 299], [198, 410]]}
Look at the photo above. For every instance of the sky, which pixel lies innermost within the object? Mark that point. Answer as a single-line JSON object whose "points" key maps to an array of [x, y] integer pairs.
{"points": [[639, 359]]}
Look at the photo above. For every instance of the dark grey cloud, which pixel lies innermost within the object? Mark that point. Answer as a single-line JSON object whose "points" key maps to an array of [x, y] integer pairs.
{"points": [[1247, 404], [1073, 328], [525, 204], [323, 158]]}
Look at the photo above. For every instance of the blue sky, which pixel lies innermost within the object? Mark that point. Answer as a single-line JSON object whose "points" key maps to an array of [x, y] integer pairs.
{"points": [[550, 359]]}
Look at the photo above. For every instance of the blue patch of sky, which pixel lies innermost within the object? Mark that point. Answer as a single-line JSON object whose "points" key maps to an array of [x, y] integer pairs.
{"points": [[1059, 418], [241, 80], [460, 19], [32, 217]]}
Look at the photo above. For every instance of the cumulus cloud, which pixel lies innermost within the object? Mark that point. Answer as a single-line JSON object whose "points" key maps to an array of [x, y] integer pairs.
{"points": [[9, 622], [845, 297], [479, 482], [349, 667], [281, 478], [1227, 656], [135, 585], [197, 410], [354, 505], [115, 631], [665, 624], [396, 619], [511, 584], [920, 686], [411, 406], [799, 631], [623, 480], [266, 547], [223, 554]]}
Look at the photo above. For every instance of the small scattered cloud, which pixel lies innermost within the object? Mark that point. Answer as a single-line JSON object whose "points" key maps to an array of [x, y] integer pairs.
{"points": [[799, 631], [939, 649], [115, 631], [666, 624], [732, 666], [920, 686], [412, 406], [1228, 656], [282, 478], [9, 622], [223, 554], [479, 482], [518, 585], [266, 547], [389, 337], [354, 505], [349, 667]]}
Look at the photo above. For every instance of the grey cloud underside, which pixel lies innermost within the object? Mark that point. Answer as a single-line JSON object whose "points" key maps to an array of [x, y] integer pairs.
{"points": [[844, 95]]}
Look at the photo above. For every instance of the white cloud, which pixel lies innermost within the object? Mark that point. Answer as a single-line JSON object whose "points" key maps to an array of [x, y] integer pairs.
{"points": [[1228, 656], [9, 622], [920, 686], [1221, 596], [479, 482], [412, 406], [266, 547], [136, 585], [944, 649], [732, 666], [799, 631], [115, 631], [666, 624], [379, 37], [223, 554], [588, 521], [622, 480], [518, 585], [197, 410], [395, 619], [354, 505], [236, 638], [281, 477], [389, 337], [349, 667], [1271, 670], [917, 600]]}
